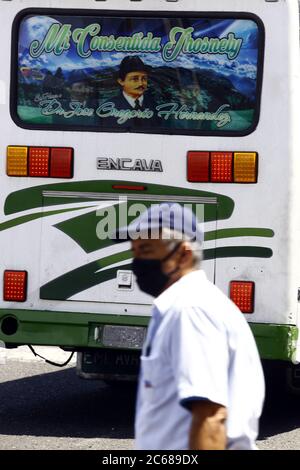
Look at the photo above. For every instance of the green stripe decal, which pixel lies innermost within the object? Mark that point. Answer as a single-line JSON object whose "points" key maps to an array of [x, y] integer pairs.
{"points": [[238, 252], [238, 232], [83, 230], [92, 274], [28, 218], [81, 279], [31, 198]]}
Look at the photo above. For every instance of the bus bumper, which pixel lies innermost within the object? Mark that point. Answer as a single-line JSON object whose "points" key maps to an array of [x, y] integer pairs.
{"points": [[76, 331]]}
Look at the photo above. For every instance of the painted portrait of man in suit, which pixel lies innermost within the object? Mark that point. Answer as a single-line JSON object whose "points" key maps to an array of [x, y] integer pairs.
{"points": [[133, 80], [134, 106]]}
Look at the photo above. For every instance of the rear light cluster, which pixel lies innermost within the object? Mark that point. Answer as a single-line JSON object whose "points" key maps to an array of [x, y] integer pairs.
{"points": [[242, 294], [43, 162], [222, 167], [15, 286]]}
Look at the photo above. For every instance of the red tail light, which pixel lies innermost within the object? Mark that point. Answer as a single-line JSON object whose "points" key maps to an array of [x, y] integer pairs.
{"points": [[61, 165], [198, 167], [15, 286], [221, 167], [242, 294], [39, 161]]}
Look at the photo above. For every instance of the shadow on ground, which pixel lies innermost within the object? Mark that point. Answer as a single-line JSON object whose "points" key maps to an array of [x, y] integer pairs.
{"points": [[62, 405], [281, 411], [50, 403]]}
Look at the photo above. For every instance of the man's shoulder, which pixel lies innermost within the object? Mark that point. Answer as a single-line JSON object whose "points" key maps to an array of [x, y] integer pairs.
{"points": [[197, 296]]}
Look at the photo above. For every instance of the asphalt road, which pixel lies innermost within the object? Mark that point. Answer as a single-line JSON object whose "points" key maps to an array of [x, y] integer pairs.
{"points": [[42, 407]]}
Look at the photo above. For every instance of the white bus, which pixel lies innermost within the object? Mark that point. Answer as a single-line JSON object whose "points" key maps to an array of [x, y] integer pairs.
{"points": [[114, 102]]}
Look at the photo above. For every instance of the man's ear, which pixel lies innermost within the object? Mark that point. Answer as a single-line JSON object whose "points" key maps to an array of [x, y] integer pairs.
{"points": [[120, 82], [186, 253]]}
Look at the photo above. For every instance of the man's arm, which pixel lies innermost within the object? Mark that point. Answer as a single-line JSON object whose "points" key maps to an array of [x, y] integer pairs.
{"points": [[208, 430]]}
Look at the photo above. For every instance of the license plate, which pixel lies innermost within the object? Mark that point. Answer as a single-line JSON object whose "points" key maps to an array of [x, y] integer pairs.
{"points": [[108, 362], [131, 337]]}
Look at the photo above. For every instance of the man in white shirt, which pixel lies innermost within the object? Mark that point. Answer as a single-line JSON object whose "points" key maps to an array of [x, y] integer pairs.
{"points": [[201, 383]]}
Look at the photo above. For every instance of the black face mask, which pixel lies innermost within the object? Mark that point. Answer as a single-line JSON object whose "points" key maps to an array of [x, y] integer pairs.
{"points": [[149, 275]]}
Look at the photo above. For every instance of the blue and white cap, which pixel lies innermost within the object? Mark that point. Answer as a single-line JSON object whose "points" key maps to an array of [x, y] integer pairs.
{"points": [[172, 216]]}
